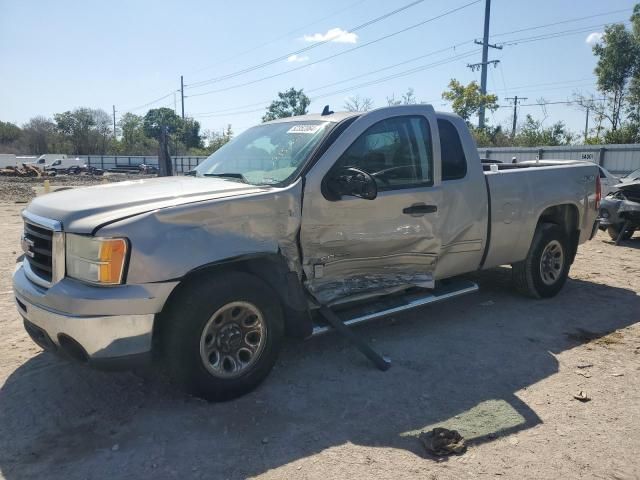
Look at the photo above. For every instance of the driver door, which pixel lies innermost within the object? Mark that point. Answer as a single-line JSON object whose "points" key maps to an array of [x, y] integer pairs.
{"points": [[354, 248]]}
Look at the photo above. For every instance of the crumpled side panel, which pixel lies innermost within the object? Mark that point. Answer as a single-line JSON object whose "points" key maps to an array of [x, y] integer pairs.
{"points": [[168, 243]]}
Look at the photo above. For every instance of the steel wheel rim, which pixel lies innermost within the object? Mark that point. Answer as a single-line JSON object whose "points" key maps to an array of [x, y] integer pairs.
{"points": [[551, 262], [233, 339]]}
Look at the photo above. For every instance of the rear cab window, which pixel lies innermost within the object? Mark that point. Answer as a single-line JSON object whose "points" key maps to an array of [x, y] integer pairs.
{"points": [[454, 162]]}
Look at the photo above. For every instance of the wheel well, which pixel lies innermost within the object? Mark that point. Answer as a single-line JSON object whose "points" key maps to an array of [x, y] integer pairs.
{"points": [[270, 268], [565, 216]]}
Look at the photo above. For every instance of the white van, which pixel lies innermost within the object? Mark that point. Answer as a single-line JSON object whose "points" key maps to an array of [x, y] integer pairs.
{"points": [[46, 159], [63, 164]]}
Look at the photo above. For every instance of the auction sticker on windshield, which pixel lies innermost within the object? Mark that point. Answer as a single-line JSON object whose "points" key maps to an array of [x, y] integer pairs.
{"points": [[305, 128]]}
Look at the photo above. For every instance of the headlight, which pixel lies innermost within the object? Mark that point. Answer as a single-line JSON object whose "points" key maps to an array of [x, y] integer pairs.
{"points": [[96, 260]]}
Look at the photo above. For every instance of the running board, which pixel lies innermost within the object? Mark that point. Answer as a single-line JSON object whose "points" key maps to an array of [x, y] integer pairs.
{"points": [[396, 304]]}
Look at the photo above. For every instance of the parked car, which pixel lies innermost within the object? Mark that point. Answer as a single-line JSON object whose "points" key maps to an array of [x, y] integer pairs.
{"points": [[296, 227], [620, 210], [635, 175], [608, 181]]}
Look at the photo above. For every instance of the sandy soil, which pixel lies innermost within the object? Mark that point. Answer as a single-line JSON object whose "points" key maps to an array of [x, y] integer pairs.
{"points": [[499, 368]]}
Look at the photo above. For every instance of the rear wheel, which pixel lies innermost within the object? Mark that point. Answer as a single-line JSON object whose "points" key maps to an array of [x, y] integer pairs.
{"points": [[614, 232], [221, 335], [544, 272]]}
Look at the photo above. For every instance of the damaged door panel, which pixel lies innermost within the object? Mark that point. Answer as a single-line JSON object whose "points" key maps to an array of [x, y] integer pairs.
{"points": [[355, 247]]}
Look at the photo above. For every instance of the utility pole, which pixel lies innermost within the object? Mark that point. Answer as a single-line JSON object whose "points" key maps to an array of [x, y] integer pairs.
{"points": [[485, 59], [114, 122], [182, 94], [586, 125], [515, 99]]}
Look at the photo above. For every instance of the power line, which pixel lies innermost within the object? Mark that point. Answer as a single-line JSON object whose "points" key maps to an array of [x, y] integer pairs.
{"points": [[150, 103], [563, 33], [413, 59], [291, 32], [561, 22], [360, 85], [301, 50], [307, 65]]}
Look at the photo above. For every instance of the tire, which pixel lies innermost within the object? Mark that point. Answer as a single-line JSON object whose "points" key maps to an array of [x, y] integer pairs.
{"points": [[614, 231], [544, 272], [206, 350]]}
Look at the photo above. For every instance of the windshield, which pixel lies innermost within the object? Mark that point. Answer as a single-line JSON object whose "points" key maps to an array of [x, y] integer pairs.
{"points": [[266, 154], [633, 175]]}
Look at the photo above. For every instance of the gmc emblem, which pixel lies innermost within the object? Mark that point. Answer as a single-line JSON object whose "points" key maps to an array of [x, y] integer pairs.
{"points": [[26, 245]]}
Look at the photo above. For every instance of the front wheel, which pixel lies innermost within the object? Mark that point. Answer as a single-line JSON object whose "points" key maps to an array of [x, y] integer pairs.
{"points": [[221, 335], [544, 272], [614, 232]]}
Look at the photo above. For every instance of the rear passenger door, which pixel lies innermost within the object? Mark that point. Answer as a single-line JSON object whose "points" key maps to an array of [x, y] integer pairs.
{"points": [[354, 247]]}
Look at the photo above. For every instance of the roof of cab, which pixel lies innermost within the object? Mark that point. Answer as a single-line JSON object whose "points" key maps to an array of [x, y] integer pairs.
{"points": [[339, 116], [333, 117]]}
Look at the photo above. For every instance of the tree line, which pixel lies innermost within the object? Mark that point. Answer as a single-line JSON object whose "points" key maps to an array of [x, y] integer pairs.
{"points": [[87, 131]]}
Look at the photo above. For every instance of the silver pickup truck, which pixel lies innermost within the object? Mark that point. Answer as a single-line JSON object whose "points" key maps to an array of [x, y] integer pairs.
{"points": [[297, 227]]}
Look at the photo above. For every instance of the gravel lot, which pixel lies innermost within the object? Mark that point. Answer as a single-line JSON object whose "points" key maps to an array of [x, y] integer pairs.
{"points": [[499, 368]]}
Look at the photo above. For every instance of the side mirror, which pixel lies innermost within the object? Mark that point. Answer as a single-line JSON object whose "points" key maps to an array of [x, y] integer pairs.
{"points": [[352, 182]]}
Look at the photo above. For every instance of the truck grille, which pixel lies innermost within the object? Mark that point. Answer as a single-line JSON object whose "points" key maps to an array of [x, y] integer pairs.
{"points": [[38, 249]]}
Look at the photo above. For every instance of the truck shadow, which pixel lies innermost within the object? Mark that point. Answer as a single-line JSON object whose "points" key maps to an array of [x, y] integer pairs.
{"points": [[459, 365]]}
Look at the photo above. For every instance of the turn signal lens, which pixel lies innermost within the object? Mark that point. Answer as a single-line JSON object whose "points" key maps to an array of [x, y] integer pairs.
{"points": [[96, 260], [112, 256]]}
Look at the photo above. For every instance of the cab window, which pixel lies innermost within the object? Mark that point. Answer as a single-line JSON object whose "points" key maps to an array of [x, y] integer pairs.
{"points": [[396, 152], [454, 163]]}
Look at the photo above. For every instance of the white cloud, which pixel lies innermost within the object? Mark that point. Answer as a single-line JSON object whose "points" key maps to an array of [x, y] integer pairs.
{"points": [[337, 35], [297, 58], [593, 38]]}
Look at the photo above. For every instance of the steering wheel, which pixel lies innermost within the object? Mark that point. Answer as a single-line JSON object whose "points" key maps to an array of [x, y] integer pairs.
{"points": [[382, 174]]}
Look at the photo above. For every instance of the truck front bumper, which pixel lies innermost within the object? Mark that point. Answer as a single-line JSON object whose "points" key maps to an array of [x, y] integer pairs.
{"points": [[103, 326]]}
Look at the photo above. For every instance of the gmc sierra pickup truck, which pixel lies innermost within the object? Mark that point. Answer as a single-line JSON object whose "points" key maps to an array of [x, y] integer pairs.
{"points": [[297, 227]]}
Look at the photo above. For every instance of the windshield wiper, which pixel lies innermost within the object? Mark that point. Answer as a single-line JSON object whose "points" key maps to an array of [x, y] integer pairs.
{"points": [[237, 176]]}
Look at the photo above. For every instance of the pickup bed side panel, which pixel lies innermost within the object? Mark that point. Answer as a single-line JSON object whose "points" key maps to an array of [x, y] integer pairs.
{"points": [[518, 198], [169, 243]]}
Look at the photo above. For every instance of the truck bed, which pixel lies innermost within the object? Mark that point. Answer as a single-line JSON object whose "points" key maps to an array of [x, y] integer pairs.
{"points": [[520, 193]]}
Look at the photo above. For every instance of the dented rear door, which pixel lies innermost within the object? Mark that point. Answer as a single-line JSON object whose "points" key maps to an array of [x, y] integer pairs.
{"points": [[354, 247]]}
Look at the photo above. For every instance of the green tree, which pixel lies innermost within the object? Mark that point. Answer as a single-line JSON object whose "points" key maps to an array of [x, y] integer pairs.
{"points": [[466, 100], [288, 104], [156, 118], [189, 133], [491, 136], [9, 133], [38, 136], [534, 134], [618, 63], [76, 126]]}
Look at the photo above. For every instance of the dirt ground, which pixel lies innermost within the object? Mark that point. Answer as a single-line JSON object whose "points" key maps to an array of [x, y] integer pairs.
{"points": [[499, 368]]}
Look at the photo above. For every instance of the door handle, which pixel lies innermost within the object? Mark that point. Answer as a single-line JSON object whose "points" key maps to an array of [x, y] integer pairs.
{"points": [[419, 209]]}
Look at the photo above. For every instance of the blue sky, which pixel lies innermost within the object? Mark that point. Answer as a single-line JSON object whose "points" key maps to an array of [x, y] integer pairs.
{"points": [[58, 55]]}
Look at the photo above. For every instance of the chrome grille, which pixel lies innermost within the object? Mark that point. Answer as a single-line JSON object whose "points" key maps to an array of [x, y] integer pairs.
{"points": [[43, 246], [38, 249]]}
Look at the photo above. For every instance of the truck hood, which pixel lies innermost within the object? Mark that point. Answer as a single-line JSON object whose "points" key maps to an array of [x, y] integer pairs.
{"points": [[81, 210]]}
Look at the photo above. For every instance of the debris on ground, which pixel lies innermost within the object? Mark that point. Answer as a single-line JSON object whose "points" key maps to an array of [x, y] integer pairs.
{"points": [[488, 303], [441, 442], [582, 396], [16, 192], [584, 365]]}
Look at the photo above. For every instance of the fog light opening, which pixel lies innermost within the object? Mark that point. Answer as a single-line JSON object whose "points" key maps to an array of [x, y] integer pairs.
{"points": [[72, 348]]}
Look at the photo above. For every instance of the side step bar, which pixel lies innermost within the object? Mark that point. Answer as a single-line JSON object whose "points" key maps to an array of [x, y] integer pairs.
{"points": [[400, 304]]}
